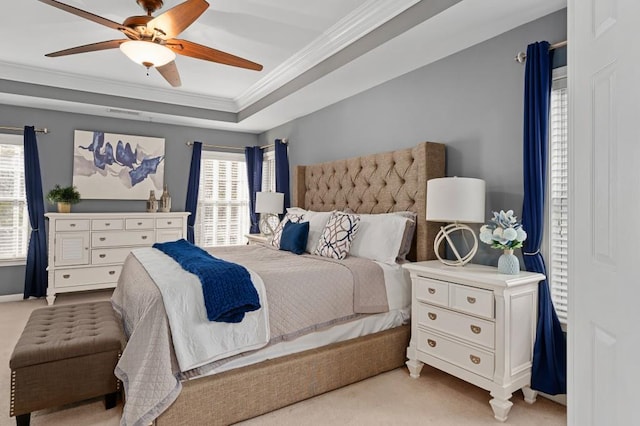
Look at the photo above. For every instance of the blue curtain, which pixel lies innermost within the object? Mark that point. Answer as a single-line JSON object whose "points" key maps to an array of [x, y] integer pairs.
{"points": [[550, 349], [191, 204], [35, 279], [253, 157], [282, 171]]}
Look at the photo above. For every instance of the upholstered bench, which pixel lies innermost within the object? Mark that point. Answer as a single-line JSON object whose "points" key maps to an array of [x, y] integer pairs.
{"points": [[65, 354]]}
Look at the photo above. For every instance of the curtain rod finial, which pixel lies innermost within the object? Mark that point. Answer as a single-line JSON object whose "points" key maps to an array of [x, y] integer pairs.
{"points": [[521, 57]]}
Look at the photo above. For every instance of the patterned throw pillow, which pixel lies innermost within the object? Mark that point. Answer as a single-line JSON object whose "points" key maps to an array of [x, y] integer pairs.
{"points": [[338, 235], [277, 233]]}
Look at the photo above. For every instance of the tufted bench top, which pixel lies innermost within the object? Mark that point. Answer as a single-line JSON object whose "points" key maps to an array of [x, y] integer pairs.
{"points": [[67, 331]]}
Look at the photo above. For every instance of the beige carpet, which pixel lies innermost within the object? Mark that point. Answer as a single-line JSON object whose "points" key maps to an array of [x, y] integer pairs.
{"points": [[392, 398]]}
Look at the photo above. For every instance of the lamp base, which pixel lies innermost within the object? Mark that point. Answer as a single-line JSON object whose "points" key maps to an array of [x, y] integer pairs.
{"points": [[268, 223], [445, 232]]}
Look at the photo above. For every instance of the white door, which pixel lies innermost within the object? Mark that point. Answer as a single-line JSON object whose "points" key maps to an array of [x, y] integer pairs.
{"points": [[604, 263]]}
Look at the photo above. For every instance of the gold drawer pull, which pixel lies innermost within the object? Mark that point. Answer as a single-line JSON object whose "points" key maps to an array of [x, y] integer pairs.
{"points": [[102, 256], [103, 238], [432, 316], [471, 300], [144, 237], [72, 225], [474, 359], [431, 343], [112, 272], [65, 276], [476, 329], [432, 290]]}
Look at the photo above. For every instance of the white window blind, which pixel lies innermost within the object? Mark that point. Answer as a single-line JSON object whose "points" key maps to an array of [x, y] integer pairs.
{"points": [[558, 199], [269, 171], [14, 219], [223, 200]]}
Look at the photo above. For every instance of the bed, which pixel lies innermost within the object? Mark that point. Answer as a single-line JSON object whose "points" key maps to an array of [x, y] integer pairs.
{"points": [[379, 183]]}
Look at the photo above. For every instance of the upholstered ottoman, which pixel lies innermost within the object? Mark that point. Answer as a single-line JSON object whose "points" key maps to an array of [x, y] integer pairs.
{"points": [[65, 354]]}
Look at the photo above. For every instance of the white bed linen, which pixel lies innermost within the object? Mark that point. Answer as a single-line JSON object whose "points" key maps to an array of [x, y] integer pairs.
{"points": [[398, 285], [196, 340]]}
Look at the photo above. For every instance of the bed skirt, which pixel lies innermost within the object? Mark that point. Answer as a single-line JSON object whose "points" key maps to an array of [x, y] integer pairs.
{"points": [[247, 392]]}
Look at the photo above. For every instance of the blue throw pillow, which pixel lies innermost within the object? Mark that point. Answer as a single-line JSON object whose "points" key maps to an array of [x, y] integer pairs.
{"points": [[294, 237]]}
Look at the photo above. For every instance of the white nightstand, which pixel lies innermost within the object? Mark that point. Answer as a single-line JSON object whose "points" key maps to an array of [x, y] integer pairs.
{"points": [[256, 238], [476, 324]]}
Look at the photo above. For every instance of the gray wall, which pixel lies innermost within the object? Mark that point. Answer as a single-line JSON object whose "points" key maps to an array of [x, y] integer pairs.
{"points": [[56, 160], [471, 101]]}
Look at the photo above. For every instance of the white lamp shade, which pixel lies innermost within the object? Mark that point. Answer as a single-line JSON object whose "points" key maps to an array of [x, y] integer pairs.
{"points": [[147, 52], [455, 199], [269, 202]]}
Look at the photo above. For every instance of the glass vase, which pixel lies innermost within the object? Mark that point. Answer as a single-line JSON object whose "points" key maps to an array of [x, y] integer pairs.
{"points": [[508, 263]]}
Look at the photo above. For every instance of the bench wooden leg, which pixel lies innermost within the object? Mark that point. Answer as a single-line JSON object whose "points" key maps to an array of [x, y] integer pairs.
{"points": [[23, 419], [110, 400]]}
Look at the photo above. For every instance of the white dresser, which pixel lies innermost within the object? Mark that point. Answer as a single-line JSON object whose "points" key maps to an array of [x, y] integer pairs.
{"points": [[475, 324], [87, 250]]}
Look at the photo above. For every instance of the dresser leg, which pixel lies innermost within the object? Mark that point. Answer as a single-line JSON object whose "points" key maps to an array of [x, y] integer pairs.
{"points": [[501, 406], [529, 395], [50, 299], [415, 367]]}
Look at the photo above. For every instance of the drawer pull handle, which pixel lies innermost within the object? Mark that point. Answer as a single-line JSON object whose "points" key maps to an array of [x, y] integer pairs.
{"points": [[112, 272], [432, 290], [73, 225], [144, 237], [102, 256], [432, 316], [107, 224], [431, 343], [474, 359], [103, 238], [476, 329], [66, 276], [139, 223], [169, 223], [471, 300]]}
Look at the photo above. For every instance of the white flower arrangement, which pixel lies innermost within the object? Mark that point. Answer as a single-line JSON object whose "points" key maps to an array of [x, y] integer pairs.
{"points": [[504, 231]]}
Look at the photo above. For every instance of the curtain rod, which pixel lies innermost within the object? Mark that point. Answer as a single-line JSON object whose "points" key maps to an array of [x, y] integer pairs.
{"points": [[235, 148], [20, 129], [521, 56]]}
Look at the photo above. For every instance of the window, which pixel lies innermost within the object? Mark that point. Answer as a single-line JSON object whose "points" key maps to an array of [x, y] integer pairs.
{"points": [[14, 218], [269, 171], [558, 195], [223, 200]]}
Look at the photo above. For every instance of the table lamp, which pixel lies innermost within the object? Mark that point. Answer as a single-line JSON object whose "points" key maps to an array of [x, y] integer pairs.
{"points": [[269, 205], [455, 199]]}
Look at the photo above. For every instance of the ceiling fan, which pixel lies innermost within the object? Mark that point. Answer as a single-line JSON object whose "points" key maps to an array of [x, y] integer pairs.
{"points": [[150, 40]]}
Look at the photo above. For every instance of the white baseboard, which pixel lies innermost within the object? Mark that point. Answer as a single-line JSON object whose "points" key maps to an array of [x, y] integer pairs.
{"points": [[11, 298], [560, 399]]}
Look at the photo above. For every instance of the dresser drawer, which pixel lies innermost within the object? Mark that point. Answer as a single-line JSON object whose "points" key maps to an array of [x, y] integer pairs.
{"points": [[72, 225], [122, 238], [169, 222], [472, 359], [431, 291], [472, 300], [109, 255], [84, 276], [139, 223], [473, 329], [107, 224]]}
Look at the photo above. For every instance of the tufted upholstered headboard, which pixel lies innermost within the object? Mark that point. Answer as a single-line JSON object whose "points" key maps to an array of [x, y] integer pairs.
{"points": [[378, 183]]}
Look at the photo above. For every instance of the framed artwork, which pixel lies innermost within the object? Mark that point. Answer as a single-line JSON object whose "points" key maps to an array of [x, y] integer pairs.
{"points": [[110, 166]]}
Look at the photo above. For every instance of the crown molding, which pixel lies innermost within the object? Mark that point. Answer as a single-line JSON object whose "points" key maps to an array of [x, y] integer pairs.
{"points": [[65, 80], [352, 27]]}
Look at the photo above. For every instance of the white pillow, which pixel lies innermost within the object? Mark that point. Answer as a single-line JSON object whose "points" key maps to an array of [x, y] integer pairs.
{"points": [[379, 237]]}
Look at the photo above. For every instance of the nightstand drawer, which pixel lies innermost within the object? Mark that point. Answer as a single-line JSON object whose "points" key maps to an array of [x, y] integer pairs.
{"points": [[106, 224], [72, 225], [465, 327], [472, 359], [83, 276], [431, 291], [472, 300]]}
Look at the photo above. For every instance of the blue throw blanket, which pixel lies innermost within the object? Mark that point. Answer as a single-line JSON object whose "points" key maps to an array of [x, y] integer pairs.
{"points": [[227, 287]]}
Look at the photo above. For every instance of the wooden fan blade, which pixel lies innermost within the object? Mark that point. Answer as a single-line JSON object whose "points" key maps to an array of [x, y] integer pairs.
{"points": [[93, 47], [194, 50], [91, 17], [170, 73], [178, 18]]}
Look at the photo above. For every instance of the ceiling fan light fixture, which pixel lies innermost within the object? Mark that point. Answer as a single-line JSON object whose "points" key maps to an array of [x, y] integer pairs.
{"points": [[147, 53]]}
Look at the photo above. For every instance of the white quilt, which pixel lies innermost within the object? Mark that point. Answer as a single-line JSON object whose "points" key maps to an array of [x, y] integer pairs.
{"points": [[196, 340]]}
